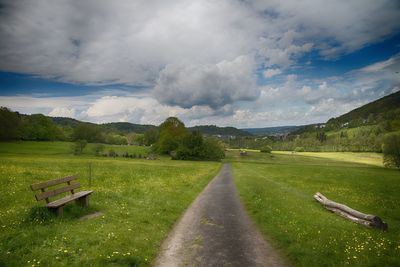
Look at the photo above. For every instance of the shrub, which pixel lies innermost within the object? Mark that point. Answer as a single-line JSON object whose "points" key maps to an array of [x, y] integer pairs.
{"points": [[266, 149], [98, 149], [391, 150], [111, 153], [299, 149], [78, 146], [212, 150], [195, 147]]}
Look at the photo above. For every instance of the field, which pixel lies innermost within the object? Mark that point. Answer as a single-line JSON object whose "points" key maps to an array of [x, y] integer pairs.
{"points": [[278, 189], [140, 201], [357, 157]]}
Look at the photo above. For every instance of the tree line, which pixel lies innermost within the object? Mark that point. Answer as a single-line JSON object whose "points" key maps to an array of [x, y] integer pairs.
{"points": [[171, 137], [38, 127]]}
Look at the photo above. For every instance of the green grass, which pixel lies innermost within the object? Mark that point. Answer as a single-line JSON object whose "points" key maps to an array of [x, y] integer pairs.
{"points": [[277, 191], [140, 199], [358, 157], [63, 148]]}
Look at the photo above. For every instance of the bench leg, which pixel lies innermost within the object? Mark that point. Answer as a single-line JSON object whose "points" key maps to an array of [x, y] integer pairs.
{"points": [[83, 201], [58, 211]]}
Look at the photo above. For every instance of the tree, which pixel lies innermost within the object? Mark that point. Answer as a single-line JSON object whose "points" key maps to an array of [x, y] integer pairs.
{"points": [[391, 150], [78, 146], [39, 127], [90, 132], [212, 150], [195, 147], [191, 147], [172, 131], [139, 139], [98, 149], [321, 136], [150, 137], [115, 139], [10, 124]]}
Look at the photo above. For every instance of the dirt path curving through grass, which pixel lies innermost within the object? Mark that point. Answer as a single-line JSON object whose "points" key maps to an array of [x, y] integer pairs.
{"points": [[216, 231]]}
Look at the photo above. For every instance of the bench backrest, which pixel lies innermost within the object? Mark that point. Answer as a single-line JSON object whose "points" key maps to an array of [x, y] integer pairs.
{"points": [[50, 193]]}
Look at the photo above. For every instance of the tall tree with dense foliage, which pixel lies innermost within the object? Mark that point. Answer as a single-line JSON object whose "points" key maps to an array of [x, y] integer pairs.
{"points": [[90, 132], [10, 123], [171, 133], [151, 137]]}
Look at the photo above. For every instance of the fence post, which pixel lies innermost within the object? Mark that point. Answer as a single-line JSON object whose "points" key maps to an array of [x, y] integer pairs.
{"points": [[90, 174]]}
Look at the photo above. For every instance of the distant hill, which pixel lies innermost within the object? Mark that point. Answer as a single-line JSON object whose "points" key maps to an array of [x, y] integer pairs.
{"points": [[280, 130], [370, 111], [360, 130], [215, 130], [127, 127], [63, 121]]}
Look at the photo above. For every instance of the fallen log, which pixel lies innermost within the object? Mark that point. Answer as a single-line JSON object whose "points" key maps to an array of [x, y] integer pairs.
{"points": [[368, 220]]}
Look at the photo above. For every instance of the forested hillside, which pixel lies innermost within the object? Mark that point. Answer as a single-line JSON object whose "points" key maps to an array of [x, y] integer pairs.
{"points": [[362, 129], [16, 126]]}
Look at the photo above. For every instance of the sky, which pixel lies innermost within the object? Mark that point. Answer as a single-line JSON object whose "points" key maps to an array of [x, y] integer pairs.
{"points": [[241, 63]]}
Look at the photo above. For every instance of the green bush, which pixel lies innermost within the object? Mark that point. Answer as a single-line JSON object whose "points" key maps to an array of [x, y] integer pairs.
{"points": [[299, 149], [266, 149], [195, 147], [98, 149], [391, 150], [212, 150]]}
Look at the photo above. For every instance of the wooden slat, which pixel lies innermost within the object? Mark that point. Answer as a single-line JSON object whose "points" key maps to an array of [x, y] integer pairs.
{"points": [[59, 202], [42, 185], [57, 191]]}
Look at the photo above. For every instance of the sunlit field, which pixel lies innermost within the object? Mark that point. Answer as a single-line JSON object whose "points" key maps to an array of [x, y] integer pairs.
{"points": [[358, 157], [140, 201], [277, 190]]}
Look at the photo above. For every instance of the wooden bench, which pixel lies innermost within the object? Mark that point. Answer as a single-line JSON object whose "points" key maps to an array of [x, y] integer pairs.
{"points": [[81, 197]]}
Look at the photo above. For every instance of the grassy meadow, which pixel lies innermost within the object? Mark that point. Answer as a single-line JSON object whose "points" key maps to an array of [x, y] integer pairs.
{"points": [[140, 201], [277, 190]]}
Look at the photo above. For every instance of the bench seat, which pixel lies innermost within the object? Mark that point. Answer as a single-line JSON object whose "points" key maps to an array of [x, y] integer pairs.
{"points": [[62, 201]]}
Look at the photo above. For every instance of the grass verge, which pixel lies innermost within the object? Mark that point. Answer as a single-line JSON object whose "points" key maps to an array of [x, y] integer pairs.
{"points": [[140, 199], [277, 191]]}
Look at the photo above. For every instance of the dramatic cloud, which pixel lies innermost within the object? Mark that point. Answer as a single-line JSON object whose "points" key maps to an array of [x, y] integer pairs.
{"points": [[129, 42], [98, 41], [229, 62], [211, 85], [343, 26]]}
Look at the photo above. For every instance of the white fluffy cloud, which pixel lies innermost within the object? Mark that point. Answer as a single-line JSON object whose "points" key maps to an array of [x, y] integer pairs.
{"points": [[62, 112]]}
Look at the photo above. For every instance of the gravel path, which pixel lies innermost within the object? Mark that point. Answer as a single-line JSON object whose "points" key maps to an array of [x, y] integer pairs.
{"points": [[216, 231]]}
